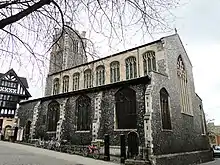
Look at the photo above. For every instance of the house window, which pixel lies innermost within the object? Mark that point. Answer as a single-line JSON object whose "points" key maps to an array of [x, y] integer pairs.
{"points": [[83, 106], [65, 84], [53, 115], [88, 78], [114, 72], [76, 81], [131, 68], [149, 62], [126, 117], [100, 75], [56, 86], [184, 92], [165, 112]]}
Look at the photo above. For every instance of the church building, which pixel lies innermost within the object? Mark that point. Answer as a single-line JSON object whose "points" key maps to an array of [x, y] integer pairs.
{"points": [[146, 92]]}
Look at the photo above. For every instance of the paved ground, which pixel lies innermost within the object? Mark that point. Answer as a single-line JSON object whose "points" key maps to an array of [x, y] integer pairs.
{"points": [[17, 154], [216, 162]]}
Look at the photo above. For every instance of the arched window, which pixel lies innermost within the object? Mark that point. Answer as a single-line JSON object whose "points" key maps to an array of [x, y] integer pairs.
{"points": [[131, 68], [83, 106], [126, 117], [56, 86], [165, 111], [202, 116], [65, 84], [76, 81], [114, 71], [28, 128], [53, 115], [100, 75], [149, 62], [88, 78], [184, 92]]}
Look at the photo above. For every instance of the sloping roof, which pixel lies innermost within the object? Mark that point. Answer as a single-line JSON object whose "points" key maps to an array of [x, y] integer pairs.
{"points": [[23, 80]]}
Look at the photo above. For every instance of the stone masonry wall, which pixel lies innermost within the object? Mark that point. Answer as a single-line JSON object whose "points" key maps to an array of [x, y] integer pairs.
{"points": [[103, 102], [186, 134]]}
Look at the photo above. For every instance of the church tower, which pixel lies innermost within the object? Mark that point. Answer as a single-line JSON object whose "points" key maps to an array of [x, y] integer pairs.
{"points": [[68, 52]]}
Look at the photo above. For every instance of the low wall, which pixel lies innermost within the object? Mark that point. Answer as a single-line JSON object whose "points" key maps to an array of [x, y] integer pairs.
{"points": [[184, 158]]}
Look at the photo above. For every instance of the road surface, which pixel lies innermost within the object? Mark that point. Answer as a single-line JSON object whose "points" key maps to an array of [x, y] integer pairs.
{"points": [[17, 154]]}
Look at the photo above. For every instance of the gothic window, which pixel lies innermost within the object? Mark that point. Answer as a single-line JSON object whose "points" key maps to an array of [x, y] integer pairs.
{"points": [[165, 111], [100, 75], [53, 115], [76, 81], [75, 46], [65, 84], [114, 71], [149, 62], [56, 86], [202, 120], [28, 128], [184, 92], [83, 106], [88, 78], [126, 117], [131, 68]]}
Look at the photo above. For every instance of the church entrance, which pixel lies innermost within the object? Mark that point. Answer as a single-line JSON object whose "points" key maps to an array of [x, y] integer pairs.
{"points": [[133, 144]]}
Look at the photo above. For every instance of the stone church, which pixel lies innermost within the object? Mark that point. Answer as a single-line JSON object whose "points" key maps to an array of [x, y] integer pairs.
{"points": [[147, 91]]}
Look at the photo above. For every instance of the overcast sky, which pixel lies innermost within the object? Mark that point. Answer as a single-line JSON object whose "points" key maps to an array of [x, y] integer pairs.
{"points": [[198, 25]]}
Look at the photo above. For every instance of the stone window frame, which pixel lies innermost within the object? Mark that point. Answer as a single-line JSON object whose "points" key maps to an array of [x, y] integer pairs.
{"points": [[114, 71], [83, 99], [165, 112], [56, 86], [65, 83], [149, 62], [131, 67], [53, 110], [88, 78], [185, 102], [76, 77], [100, 75]]}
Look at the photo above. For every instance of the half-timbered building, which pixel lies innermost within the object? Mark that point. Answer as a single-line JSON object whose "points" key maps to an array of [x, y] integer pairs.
{"points": [[146, 93], [13, 89]]}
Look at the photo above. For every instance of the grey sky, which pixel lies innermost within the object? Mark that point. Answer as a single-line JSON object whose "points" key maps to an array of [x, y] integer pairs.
{"points": [[198, 25]]}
